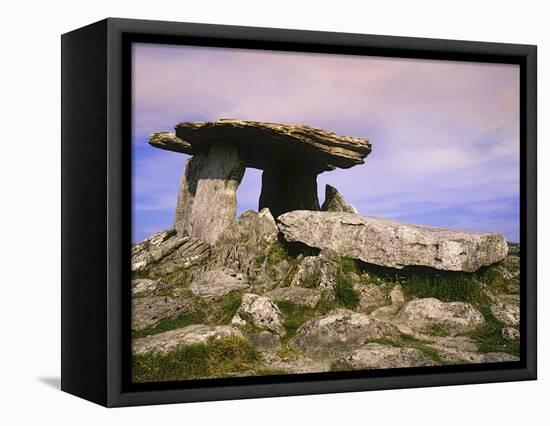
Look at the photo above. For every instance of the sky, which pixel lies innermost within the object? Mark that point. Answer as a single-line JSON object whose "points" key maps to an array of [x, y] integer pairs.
{"points": [[444, 134]]}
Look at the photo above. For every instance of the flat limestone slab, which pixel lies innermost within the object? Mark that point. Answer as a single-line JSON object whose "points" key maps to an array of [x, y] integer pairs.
{"points": [[262, 144], [391, 243]]}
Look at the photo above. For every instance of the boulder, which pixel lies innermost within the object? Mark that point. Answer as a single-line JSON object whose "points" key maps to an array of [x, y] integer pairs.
{"points": [[497, 357], [216, 283], [148, 311], [264, 341], [431, 314], [370, 296], [156, 247], [338, 333], [374, 355], [241, 246], [296, 295], [510, 333], [391, 243], [192, 252], [396, 295], [260, 312], [506, 310], [335, 202], [316, 272], [192, 334]]}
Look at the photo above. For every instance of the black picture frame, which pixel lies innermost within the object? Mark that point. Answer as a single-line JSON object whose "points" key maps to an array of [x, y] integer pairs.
{"points": [[96, 219]]}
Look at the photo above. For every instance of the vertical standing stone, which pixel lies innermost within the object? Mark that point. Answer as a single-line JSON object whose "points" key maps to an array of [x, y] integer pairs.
{"points": [[335, 202], [187, 191], [215, 201], [284, 190]]}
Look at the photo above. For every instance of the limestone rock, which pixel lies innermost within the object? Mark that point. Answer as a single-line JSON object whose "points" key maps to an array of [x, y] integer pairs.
{"points": [[507, 311], [393, 244], [497, 357], [296, 295], [171, 340], [316, 272], [263, 144], [241, 245], [513, 249], [285, 189], [156, 247], [191, 252], [335, 202], [261, 312], [186, 194], [370, 296], [336, 334], [216, 283], [396, 295], [510, 333], [454, 317], [265, 341], [374, 355], [170, 142], [146, 286], [148, 311], [215, 200]]}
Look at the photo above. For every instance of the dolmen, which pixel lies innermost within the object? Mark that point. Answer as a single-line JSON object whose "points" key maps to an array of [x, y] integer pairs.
{"points": [[291, 156]]}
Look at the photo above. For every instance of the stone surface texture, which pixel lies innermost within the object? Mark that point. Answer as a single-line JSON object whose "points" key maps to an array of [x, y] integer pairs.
{"points": [[148, 311], [335, 202], [171, 340], [453, 317], [336, 334], [215, 283], [215, 200], [263, 144], [296, 295], [393, 244], [375, 355], [142, 286], [186, 194], [261, 312]]}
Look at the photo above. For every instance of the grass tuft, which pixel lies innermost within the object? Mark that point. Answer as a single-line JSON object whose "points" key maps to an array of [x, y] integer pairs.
{"points": [[447, 288], [344, 293], [217, 358]]}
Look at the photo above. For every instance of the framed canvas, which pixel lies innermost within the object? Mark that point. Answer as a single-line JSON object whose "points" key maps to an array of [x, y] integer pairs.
{"points": [[255, 212]]}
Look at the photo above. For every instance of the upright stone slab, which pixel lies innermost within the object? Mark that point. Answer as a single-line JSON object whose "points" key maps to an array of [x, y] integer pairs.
{"points": [[284, 190], [215, 202], [186, 196], [335, 202]]}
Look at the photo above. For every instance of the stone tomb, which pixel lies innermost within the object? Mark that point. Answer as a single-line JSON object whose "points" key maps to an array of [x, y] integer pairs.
{"points": [[291, 157]]}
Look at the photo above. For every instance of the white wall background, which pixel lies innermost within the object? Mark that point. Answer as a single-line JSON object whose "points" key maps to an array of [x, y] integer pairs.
{"points": [[30, 211]]}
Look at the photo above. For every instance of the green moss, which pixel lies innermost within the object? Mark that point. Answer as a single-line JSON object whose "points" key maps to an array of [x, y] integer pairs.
{"points": [[216, 358]]}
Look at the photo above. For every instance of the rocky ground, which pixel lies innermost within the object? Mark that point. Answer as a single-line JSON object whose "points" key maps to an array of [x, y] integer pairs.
{"points": [[255, 304]]}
